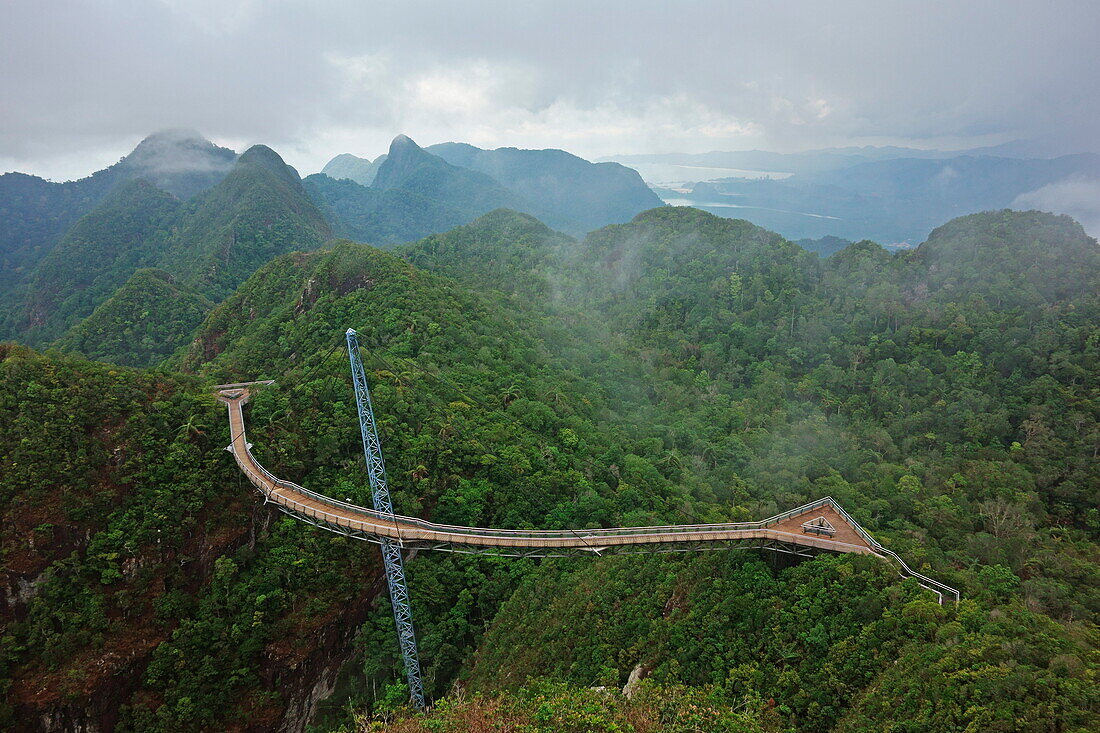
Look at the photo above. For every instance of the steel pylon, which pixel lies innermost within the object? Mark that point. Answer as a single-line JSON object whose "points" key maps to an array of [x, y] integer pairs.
{"points": [[391, 550]]}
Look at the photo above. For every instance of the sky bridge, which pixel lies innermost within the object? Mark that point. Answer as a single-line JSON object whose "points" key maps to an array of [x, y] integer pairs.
{"points": [[819, 526]]}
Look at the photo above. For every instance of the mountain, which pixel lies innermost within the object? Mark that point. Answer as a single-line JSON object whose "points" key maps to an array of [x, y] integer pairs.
{"points": [[411, 168], [35, 212], [504, 250], [211, 557], [151, 551], [567, 192], [124, 232], [181, 162], [414, 194], [208, 245], [825, 246], [676, 368], [1043, 146], [141, 324], [668, 249], [36, 215], [775, 369], [1030, 257], [259, 211], [379, 217], [352, 168]]}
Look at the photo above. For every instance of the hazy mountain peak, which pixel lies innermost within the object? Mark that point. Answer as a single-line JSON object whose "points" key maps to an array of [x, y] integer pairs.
{"points": [[502, 216], [566, 191], [1032, 254], [345, 158], [404, 159], [175, 136], [353, 168], [179, 161], [403, 148], [262, 154], [178, 151], [343, 162]]}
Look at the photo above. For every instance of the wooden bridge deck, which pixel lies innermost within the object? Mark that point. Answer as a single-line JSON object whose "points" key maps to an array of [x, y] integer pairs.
{"points": [[783, 532]]}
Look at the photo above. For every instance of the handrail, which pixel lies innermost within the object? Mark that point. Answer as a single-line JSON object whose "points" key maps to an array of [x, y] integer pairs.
{"points": [[454, 532], [382, 524], [545, 533], [878, 547]]}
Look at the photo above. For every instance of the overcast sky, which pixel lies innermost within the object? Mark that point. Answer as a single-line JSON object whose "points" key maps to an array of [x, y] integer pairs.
{"points": [[83, 82]]}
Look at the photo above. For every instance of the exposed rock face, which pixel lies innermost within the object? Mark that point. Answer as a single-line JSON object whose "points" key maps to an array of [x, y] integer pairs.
{"points": [[52, 702], [637, 674], [310, 679], [23, 590]]}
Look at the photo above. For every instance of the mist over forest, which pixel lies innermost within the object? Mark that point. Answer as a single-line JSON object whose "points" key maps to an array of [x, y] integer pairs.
{"points": [[549, 368]]}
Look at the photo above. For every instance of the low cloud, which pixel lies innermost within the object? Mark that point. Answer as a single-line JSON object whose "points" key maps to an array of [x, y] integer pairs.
{"points": [[179, 151], [1076, 197]]}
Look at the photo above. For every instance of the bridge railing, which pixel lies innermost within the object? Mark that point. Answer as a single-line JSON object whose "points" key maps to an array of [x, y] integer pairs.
{"points": [[535, 538], [935, 586], [262, 478], [403, 522], [380, 517]]}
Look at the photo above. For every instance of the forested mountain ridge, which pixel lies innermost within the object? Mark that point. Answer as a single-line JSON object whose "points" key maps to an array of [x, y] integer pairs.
{"points": [[676, 368], [411, 192], [1042, 258], [120, 235], [566, 192], [353, 168], [956, 424], [144, 322], [504, 250], [381, 218], [722, 304], [824, 246], [125, 541], [259, 211], [208, 245], [209, 219], [410, 167], [35, 212], [245, 560]]}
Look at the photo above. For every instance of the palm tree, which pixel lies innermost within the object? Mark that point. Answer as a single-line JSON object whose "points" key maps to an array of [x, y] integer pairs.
{"points": [[190, 427], [510, 394]]}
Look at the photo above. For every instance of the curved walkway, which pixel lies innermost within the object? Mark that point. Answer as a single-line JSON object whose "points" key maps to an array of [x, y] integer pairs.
{"points": [[820, 526]]}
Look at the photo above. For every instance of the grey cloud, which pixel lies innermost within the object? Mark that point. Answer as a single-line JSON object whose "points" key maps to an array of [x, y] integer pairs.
{"points": [[317, 78], [178, 151], [1077, 197]]}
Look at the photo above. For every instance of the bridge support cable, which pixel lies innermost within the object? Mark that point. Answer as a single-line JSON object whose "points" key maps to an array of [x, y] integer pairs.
{"points": [[391, 550]]}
